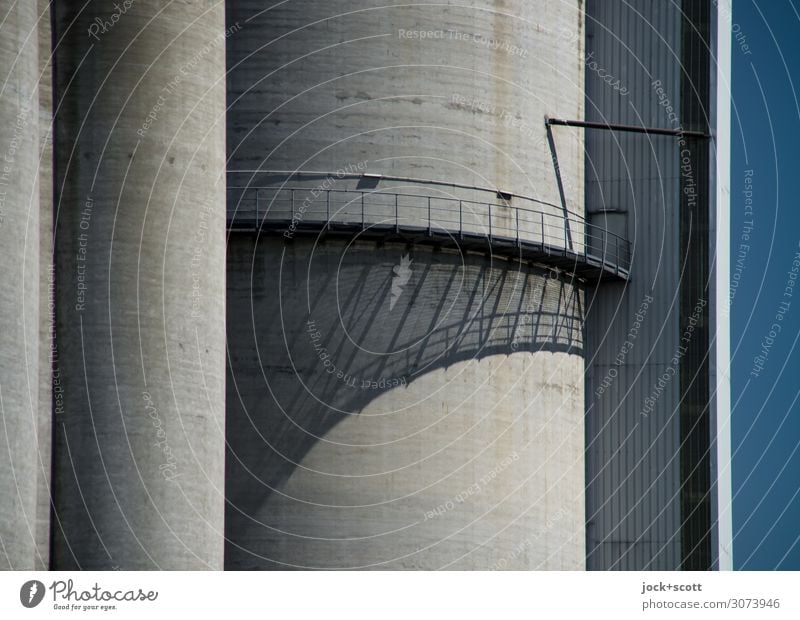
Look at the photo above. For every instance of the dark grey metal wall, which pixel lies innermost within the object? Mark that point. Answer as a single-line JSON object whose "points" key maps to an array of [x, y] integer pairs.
{"points": [[648, 505]]}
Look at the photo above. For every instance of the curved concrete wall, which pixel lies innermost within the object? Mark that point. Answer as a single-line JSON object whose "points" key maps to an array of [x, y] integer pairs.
{"points": [[391, 406], [396, 407], [47, 291], [19, 283], [448, 93], [139, 428]]}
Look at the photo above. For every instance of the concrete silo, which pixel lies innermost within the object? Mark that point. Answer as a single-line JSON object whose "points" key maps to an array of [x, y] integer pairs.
{"points": [[407, 267], [19, 300], [139, 423]]}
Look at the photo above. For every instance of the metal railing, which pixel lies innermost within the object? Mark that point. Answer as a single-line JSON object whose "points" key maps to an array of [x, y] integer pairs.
{"points": [[302, 208]]}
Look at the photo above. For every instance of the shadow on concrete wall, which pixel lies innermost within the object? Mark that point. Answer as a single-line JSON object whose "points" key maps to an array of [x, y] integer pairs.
{"points": [[319, 332]]}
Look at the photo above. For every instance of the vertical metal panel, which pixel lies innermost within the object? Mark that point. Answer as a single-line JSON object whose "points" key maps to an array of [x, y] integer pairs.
{"points": [[633, 456], [696, 498]]}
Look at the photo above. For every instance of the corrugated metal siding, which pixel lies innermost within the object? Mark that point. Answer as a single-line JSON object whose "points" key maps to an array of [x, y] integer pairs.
{"points": [[696, 498], [633, 459]]}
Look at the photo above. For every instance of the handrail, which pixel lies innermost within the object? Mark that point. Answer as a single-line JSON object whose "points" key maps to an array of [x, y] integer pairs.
{"points": [[499, 223], [341, 174], [572, 216], [416, 181]]}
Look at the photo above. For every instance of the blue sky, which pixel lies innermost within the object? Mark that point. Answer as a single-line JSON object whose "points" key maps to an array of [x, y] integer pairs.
{"points": [[766, 407]]}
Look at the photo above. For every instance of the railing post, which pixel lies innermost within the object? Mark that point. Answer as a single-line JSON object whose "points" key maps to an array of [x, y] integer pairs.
{"points": [[516, 212], [460, 221], [363, 225], [396, 218], [542, 227], [328, 209], [490, 222], [257, 222], [292, 205], [429, 216]]}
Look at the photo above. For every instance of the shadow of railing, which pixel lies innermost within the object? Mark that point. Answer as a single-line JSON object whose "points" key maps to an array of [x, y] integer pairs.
{"points": [[317, 335]]}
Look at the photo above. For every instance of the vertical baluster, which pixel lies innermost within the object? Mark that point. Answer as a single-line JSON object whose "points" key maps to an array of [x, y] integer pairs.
{"points": [[542, 227], [429, 216]]}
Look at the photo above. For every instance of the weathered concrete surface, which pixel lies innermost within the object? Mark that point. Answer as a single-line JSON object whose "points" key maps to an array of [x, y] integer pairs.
{"points": [[406, 415], [19, 283], [139, 435], [46, 288], [469, 454], [325, 86]]}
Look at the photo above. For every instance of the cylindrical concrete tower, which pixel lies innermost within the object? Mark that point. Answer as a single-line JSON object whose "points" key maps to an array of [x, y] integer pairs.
{"points": [[47, 288], [19, 283], [406, 367], [139, 426]]}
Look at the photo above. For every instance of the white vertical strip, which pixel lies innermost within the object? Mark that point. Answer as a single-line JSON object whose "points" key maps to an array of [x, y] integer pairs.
{"points": [[723, 344]]}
